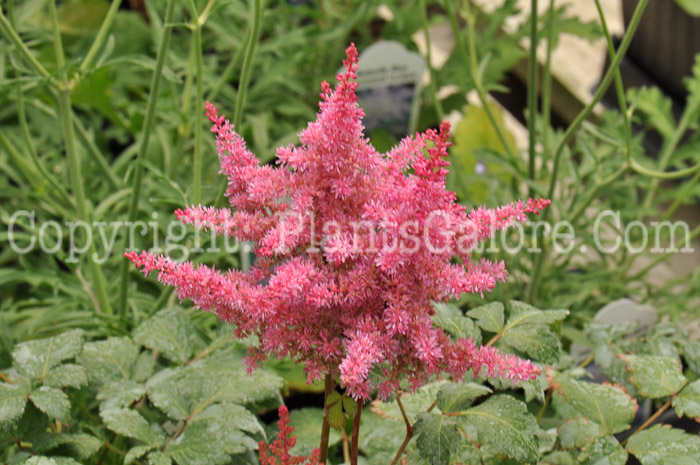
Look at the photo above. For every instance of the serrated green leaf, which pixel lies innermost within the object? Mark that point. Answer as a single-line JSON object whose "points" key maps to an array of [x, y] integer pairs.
{"points": [[528, 331], [576, 433], [350, 406], [336, 417], [136, 453], [35, 358], [687, 402], [143, 368], [504, 427], [208, 443], [158, 458], [655, 376], [132, 425], [663, 445], [437, 437], [119, 394], [165, 393], [603, 450], [66, 375], [109, 360], [655, 108], [53, 402], [13, 399], [557, 458], [489, 317], [450, 318], [609, 406], [65, 461], [536, 341], [413, 403], [80, 445], [169, 331], [232, 417], [455, 397]]}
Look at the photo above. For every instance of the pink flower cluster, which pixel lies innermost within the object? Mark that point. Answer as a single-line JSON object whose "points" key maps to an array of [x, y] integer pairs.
{"points": [[357, 313]]}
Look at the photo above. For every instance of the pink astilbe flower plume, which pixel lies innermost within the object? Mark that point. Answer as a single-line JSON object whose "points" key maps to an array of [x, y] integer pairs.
{"points": [[277, 453], [352, 248]]}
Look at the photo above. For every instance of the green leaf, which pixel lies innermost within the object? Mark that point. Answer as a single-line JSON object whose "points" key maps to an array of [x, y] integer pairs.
{"points": [[13, 399], [35, 358], [609, 406], [504, 427], [109, 360], [450, 318], [336, 417], [164, 390], [136, 453], [687, 402], [350, 406], [209, 439], [158, 458], [120, 394], [132, 425], [66, 375], [170, 332], [528, 331], [655, 376], [489, 317], [538, 342], [233, 417], [558, 458], [80, 445], [576, 433], [437, 437], [655, 109], [692, 7], [663, 445], [603, 450], [455, 397], [53, 402]]}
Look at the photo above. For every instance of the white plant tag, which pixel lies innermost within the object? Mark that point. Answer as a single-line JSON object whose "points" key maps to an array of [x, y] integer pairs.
{"points": [[390, 80]]}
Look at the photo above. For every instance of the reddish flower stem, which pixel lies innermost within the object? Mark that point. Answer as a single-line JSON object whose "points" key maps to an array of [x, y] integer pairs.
{"points": [[409, 431], [326, 428], [354, 446]]}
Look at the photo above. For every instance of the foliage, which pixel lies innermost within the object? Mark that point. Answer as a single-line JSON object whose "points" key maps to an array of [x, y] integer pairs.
{"points": [[68, 400]]}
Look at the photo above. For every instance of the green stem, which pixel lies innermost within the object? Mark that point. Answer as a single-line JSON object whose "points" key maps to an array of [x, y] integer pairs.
{"points": [[143, 146], [547, 80], [243, 83], [428, 56], [641, 169], [593, 192], [472, 65], [66, 114], [199, 105], [10, 35], [101, 35], [580, 118], [681, 195], [97, 156], [619, 87], [532, 90]]}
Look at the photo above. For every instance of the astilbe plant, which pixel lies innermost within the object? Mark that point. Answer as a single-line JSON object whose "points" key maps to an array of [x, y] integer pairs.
{"points": [[352, 249]]}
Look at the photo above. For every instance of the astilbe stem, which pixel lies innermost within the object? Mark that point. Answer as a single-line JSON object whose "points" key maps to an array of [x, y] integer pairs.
{"points": [[278, 452]]}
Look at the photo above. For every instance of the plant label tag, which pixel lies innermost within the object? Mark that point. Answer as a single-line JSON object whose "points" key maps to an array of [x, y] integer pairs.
{"points": [[390, 81]]}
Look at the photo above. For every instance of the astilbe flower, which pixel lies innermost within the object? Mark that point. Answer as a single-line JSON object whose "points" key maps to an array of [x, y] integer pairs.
{"points": [[342, 300], [278, 452]]}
